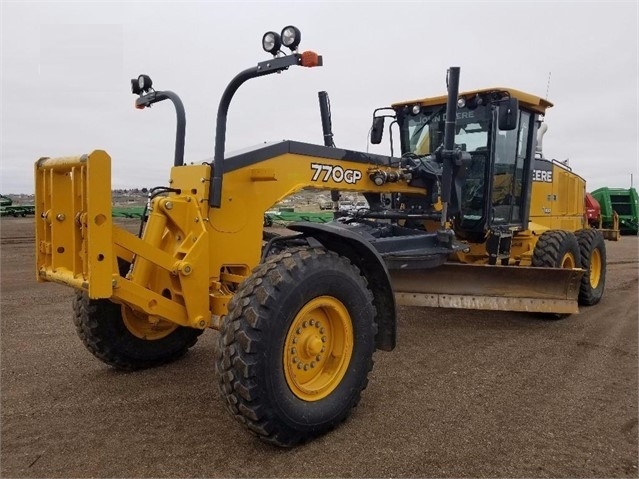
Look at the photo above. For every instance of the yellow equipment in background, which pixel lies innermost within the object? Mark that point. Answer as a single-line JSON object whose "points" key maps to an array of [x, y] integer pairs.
{"points": [[468, 216]]}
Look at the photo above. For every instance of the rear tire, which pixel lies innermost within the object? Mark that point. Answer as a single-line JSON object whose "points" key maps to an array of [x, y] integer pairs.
{"points": [[296, 348], [104, 332], [593, 260], [557, 249]]}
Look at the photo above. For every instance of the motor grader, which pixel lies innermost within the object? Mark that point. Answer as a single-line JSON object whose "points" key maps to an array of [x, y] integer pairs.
{"points": [[466, 216]]}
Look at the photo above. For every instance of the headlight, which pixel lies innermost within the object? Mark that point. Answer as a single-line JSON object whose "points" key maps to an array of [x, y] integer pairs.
{"points": [[271, 42], [291, 37]]}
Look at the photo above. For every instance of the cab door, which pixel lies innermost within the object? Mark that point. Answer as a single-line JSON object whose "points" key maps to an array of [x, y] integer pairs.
{"points": [[511, 172]]}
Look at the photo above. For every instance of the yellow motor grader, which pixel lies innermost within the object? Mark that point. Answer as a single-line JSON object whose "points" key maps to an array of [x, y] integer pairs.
{"points": [[468, 215]]}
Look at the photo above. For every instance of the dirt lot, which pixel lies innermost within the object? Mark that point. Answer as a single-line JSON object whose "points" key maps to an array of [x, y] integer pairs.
{"points": [[464, 394]]}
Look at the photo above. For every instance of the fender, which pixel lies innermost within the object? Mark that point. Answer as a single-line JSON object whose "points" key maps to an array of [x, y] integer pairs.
{"points": [[338, 238]]}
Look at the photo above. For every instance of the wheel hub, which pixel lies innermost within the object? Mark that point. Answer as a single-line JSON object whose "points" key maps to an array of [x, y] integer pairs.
{"points": [[568, 261], [314, 345], [595, 268], [318, 348], [146, 327]]}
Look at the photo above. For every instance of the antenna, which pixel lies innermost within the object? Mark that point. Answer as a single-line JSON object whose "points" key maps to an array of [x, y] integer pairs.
{"points": [[548, 85]]}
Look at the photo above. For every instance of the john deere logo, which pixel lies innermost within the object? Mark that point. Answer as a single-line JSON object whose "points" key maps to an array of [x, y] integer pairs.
{"points": [[544, 176]]}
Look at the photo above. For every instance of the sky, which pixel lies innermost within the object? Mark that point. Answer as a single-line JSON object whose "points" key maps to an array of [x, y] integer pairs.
{"points": [[66, 70]]}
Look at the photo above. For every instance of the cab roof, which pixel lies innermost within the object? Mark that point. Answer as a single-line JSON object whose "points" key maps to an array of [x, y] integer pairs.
{"points": [[531, 102]]}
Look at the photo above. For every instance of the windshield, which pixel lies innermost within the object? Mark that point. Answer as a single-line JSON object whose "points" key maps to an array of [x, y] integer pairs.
{"points": [[425, 131]]}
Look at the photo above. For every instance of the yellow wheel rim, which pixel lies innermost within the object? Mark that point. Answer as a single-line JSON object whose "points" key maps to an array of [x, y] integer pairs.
{"points": [[150, 328], [568, 261], [318, 348], [595, 268]]}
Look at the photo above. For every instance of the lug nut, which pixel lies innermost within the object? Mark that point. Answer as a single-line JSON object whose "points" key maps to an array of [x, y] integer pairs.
{"points": [[322, 330], [323, 339], [305, 324], [299, 330], [299, 365], [293, 351], [311, 322], [312, 364], [318, 358], [306, 367]]}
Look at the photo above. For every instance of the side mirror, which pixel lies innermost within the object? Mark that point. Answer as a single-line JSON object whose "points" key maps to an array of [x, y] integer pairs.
{"points": [[508, 114], [377, 131]]}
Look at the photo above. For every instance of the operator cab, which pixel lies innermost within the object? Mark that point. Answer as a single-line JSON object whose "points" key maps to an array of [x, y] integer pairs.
{"points": [[495, 187]]}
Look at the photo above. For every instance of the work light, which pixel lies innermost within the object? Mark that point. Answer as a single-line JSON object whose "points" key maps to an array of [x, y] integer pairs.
{"points": [[461, 102], [145, 83], [141, 84], [135, 87], [291, 37], [271, 42]]}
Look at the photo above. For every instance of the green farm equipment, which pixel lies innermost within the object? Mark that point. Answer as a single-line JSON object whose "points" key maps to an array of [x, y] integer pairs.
{"points": [[624, 203], [7, 208]]}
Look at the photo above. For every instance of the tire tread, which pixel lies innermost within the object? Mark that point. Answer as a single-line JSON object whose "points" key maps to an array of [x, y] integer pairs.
{"points": [[248, 314], [589, 239], [91, 319]]}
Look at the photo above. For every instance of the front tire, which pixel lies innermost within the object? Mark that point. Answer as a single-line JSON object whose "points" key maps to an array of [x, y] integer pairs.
{"points": [[556, 249], [593, 260], [126, 340], [296, 347]]}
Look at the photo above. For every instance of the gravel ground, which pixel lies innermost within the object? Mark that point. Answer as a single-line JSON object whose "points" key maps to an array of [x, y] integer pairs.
{"points": [[464, 394]]}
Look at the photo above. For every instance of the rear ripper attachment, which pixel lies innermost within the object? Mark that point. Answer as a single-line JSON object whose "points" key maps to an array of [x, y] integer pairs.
{"points": [[79, 246], [74, 231]]}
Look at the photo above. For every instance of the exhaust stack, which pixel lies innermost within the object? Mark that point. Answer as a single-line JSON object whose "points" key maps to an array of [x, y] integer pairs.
{"points": [[540, 136]]}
